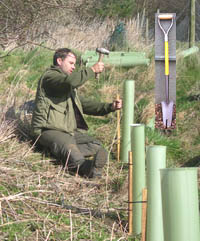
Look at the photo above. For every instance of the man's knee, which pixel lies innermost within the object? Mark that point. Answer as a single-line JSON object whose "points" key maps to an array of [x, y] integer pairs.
{"points": [[62, 146], [74, 157]]}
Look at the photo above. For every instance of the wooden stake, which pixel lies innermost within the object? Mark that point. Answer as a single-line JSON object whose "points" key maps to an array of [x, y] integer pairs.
{"points": [[118, 132], [192, 24], [144, 213], [130, 194]]}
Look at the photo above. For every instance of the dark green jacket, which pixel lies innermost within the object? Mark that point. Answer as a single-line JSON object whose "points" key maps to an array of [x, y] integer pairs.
{"points": [[56, 99]]}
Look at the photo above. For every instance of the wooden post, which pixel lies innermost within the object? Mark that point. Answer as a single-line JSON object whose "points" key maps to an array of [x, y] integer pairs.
{"points": [[147, 31], [118, 132], [138, 22], [192, 24], [144, 213], [130, 194], [143, 16]]}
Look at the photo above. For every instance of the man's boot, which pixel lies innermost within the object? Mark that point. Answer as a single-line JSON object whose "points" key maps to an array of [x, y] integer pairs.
{"points": [[86, 169], [100, 161]]}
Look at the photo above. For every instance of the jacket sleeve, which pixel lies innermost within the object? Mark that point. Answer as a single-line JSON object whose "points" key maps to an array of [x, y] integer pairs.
{"points": [[56, 83], [91, 107]]}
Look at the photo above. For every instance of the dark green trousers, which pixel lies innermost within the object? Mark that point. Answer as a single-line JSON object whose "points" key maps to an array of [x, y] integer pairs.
{"points": [[79, 151]]}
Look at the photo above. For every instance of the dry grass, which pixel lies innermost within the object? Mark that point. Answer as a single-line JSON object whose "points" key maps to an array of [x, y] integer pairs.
{"points": [[41, 201], [81, 34], [89, 35]]}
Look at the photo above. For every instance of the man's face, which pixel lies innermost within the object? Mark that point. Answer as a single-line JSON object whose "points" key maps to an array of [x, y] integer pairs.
{"points": [[68, 64]]}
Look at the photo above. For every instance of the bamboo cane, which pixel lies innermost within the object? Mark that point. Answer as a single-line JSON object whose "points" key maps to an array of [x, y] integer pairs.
{"points": [[130, 194], [144, 213], [118, 132]]}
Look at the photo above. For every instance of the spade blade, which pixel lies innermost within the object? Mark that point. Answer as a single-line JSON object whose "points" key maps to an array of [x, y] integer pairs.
{"points": [[167, 112]]}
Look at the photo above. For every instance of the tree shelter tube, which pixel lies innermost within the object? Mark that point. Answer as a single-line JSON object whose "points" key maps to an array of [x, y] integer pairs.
{"points": [[138, 152], [127, 119], [189, 52], [179, 188], [155, 160]]}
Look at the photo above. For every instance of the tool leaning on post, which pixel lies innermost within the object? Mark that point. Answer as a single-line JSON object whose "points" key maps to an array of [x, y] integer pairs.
{"points": [[167, 105]]}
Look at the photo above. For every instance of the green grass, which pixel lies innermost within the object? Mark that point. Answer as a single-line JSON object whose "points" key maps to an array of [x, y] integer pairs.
{"points": [[139, 108], [16, 230], [196, 140], [4, 190], [42, 213], [26, 66], [175, 153]]}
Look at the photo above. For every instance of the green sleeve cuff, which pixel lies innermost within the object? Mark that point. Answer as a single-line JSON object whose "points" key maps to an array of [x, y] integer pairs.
{"points": [[110, 107]]}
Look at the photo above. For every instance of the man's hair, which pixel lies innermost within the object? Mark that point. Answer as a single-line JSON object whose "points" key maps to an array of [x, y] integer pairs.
{"points": [[61, 53]]}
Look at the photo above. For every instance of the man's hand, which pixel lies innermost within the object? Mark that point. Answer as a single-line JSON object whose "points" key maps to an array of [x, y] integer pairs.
{"points": [[98, 67], [117, 104]]}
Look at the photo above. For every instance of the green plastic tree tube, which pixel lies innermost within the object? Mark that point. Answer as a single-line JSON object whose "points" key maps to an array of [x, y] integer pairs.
{"points": [[179, 187], [93, 55], [128, 118], [155, 160], [123, 61], [190, 51], [138, 152]]}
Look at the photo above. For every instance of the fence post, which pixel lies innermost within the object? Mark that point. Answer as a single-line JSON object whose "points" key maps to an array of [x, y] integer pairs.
{"points": [[192, 24]]}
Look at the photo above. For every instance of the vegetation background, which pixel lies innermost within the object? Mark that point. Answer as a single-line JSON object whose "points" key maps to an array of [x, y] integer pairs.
{"points": [[40, 200]]}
